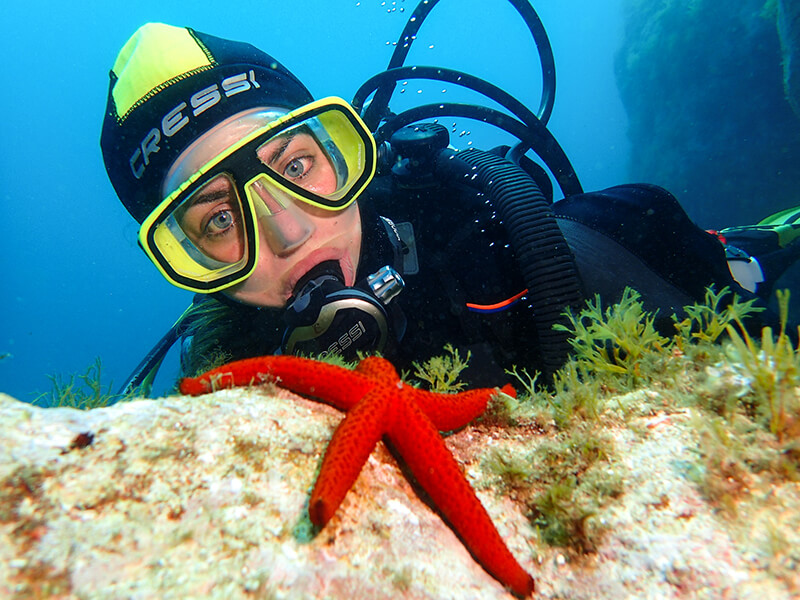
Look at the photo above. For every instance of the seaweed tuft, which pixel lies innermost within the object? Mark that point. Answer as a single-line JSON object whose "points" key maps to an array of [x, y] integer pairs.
{"points": [[578, 478], [83, 391], [441, 373], [612, 344]]}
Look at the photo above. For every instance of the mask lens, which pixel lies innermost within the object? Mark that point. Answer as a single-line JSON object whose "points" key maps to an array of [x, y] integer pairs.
{"points": [[204, 237], [321, 158], [296, 156], [211, 221]]}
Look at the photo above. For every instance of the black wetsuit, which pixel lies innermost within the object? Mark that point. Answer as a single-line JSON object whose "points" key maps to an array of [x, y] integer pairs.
{"points": [[631, 235]]}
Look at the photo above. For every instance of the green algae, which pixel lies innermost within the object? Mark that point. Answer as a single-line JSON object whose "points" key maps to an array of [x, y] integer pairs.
{"points": [[741, 378], [563, 481], [441, 373], [206, 362], [740, 392], [707, 321], [82, 391], [774, 371], [612, 341]]}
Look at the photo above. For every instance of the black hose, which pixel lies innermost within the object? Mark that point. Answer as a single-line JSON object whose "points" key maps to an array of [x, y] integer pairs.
{"points": [[545, 260], [533, 134], [503, 98], [378, 109]]}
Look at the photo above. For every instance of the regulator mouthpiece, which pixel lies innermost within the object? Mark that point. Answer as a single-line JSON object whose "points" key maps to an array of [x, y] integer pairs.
{"points": [[325, 316]]}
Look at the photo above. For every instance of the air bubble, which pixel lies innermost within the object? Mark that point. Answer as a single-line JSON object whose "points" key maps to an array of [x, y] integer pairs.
{"points": [[430, 47]]}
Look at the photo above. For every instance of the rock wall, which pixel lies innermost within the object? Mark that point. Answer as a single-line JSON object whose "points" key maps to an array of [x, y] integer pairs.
{"points": [[703, 84], [789, 31]]}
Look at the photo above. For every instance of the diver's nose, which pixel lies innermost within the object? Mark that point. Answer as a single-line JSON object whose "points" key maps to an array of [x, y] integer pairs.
{"points": [[285, 226]]}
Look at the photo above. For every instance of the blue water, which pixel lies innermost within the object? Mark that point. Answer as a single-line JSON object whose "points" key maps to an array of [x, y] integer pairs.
{"points": [[75, 284]]}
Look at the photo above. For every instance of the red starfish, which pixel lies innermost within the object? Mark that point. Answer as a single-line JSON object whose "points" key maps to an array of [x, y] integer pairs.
{"points": [[379, 404]]}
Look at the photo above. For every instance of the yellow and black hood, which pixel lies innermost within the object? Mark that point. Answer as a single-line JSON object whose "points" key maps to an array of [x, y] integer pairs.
{"points": [[168, 86]]}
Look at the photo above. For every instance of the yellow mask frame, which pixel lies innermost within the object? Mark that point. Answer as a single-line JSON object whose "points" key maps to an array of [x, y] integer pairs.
{"points": [[339, 132]]}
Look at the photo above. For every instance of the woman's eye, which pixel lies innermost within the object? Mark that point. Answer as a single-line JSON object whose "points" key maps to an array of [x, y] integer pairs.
{"points": [[296, 168], [220, 222]]}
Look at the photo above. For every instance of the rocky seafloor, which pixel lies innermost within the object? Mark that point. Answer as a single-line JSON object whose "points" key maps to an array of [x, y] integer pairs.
{"points": [[206, 498]]}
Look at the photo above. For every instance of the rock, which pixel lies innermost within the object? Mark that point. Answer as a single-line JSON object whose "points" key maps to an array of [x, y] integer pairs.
{"points": [[206, 497]]}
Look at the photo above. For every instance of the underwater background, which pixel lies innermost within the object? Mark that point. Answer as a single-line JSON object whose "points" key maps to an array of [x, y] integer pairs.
{"points": [[76, 285]]}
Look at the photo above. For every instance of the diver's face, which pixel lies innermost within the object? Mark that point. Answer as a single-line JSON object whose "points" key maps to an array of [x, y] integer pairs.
{"points": [[294, 236]]}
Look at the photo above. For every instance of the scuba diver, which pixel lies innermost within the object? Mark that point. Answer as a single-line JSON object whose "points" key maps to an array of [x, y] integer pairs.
{"points": [[320, 226]]}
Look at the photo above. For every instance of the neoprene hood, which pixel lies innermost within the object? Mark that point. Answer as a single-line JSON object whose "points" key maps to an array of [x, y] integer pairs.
{"points": [[168, 86]]}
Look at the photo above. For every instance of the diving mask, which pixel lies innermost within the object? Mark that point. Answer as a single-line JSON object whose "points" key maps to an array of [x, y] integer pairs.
{"points": [[205, 235]]}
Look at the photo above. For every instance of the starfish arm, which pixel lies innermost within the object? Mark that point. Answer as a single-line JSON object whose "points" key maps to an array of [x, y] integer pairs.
{"points": [[377, 368], [446, 411], [425, 453], [451, 411], [336, 385], [348, 450]]}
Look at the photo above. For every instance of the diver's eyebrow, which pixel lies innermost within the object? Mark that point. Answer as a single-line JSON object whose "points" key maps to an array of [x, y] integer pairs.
{"points": [[208, 197], [287, 139]]}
